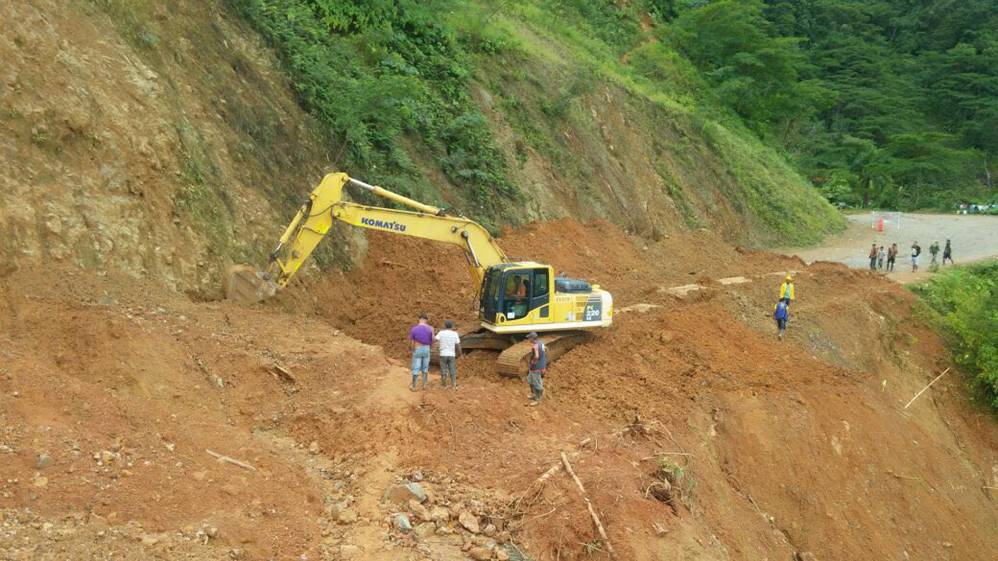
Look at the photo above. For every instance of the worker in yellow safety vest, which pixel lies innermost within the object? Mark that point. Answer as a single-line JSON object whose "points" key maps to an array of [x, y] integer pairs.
{"points": [[787, 290]]}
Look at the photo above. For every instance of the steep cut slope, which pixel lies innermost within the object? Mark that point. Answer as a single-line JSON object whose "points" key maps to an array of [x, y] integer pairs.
{"points": [[168, 141], [151, 139]]}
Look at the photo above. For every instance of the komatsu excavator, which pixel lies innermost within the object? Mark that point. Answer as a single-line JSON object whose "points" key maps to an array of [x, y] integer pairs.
{"points": [[514, 298]]}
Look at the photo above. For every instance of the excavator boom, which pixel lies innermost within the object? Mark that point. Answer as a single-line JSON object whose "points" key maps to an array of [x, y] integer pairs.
{"points": [[514, 298], [326, 204]]}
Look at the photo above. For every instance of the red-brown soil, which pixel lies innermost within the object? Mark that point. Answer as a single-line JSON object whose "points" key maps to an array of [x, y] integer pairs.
{"points": [[775, 448]]}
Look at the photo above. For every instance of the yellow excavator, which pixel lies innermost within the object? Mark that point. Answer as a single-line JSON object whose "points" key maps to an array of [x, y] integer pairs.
{"points": [[514, 298]]}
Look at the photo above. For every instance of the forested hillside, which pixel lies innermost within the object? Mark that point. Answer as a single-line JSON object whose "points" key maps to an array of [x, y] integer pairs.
{"points": [[513, 111], [890, 103]]}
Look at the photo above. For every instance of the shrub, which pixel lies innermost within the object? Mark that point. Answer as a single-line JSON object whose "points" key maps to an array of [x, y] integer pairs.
{"points": [[963, 301]]}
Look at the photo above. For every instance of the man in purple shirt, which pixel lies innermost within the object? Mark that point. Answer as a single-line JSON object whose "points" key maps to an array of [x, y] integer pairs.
{"points": [[420, 337]]}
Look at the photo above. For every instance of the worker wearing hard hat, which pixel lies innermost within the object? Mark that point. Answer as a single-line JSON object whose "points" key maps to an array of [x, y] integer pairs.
{"points": [[787, 290]]}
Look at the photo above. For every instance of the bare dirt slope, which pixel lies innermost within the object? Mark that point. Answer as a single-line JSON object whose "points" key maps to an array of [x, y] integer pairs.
{"points": [[702, 437]]}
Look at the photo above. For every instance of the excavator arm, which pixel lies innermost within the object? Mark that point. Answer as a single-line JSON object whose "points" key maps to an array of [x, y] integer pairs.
{"points": [[325, 205]]}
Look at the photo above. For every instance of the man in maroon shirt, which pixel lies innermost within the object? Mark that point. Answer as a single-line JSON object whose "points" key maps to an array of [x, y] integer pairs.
{"points": [[420, 337]]}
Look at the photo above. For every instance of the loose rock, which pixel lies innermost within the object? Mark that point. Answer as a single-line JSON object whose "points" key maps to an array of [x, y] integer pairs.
{"points": [[469, 521], [347, 516], [43, 461], [401, 494], [480, 553], [419, 511], [425, 530], [402, 523]]}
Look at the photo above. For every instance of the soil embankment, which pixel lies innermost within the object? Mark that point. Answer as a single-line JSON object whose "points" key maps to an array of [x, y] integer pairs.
{"points": [[701, 434]]}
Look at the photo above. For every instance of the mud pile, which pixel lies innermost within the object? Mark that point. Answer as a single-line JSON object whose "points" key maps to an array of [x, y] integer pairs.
{"points": [[693, 431]]}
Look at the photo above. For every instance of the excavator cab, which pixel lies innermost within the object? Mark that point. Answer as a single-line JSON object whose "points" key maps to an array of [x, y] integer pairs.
{"points": [[516, 293], [526, 296]]}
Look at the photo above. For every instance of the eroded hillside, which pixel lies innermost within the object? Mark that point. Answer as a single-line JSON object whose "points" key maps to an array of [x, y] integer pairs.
{"points": [[168, 141]]}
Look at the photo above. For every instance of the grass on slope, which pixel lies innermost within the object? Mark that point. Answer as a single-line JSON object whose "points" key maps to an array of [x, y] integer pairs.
{"points": [[785, 204], [963, 301]]}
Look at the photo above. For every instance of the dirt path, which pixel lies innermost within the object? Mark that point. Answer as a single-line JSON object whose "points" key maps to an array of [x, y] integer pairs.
{"points": [[973, 237]]}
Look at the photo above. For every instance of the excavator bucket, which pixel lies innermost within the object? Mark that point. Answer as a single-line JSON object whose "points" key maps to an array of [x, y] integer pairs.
{"points": [[246, 285]]}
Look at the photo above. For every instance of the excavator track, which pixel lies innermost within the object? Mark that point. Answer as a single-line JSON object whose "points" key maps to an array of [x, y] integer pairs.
{"points": [[513, 361]]}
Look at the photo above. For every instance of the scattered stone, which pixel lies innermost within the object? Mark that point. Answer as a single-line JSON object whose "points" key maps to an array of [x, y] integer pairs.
{"points": [[401, 494], [804, 556], [41, 481], [419, 511], [199, 475], [469, 521], [236, 553], [439, 514], [502, 554], [417, 491], [425, 530], [489, 530], [402, 523], [349, 551], [417, 475], [480, 553], [149, 540], [347, 516], [313, 448], [43, 461]]}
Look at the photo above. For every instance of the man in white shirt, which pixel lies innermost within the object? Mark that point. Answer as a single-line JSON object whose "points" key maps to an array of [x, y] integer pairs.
{"points": [[450, 349]]}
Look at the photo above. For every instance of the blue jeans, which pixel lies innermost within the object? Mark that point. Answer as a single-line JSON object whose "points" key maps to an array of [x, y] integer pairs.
{"points": [[420, 363]]}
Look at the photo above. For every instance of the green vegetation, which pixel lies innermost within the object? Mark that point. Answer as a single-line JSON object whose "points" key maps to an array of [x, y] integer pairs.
{"points": [[381, 73], [400, 87], [963, 301], [885, 103]]}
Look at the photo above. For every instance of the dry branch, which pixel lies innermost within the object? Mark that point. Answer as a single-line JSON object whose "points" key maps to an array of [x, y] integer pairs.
{"points": [[589, 505], [226, 459], [926, 387]]}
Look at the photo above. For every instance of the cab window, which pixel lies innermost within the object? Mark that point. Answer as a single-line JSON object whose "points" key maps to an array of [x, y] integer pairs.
{"points": [[540, 282]]}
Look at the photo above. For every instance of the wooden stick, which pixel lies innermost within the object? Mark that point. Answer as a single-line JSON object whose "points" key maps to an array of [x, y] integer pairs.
{"points": [[558, 465], [926, 387], [589, 505], [228, 460]]}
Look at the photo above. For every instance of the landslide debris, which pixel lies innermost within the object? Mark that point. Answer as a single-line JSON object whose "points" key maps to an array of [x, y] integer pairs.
{"points": [[693, 430]]}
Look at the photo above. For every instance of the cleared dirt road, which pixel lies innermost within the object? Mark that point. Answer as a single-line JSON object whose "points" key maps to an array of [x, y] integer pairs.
{"points": [[973, 237]]}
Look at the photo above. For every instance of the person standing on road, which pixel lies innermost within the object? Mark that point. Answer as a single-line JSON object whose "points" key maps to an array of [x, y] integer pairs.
{"points": [[536, 369], [934, 251], [450, 349], [881, 257], [420, 337], [781, 314], [787, 289], [916, 250], [873, 257], [892, 255], [948, 253]]}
